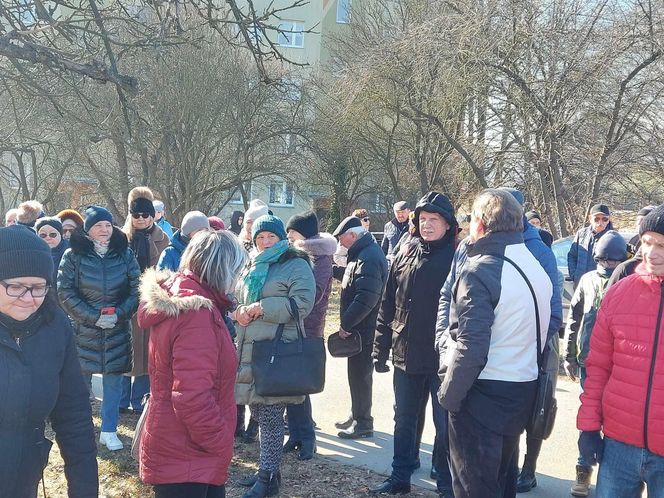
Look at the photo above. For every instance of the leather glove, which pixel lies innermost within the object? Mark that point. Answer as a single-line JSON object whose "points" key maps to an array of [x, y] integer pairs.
{"points": [[381, 367], [572, 369], [591, 446]]}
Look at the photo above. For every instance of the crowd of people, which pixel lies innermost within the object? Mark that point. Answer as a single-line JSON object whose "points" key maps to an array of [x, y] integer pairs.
{"points": [[169, 318]]}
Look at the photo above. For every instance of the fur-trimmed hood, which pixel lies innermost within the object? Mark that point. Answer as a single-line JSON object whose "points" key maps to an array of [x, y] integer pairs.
{"points": [[166, 295], [80, 243], [323, 244]]}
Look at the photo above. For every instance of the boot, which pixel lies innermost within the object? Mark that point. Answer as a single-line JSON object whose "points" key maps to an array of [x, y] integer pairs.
{"points": [[251, 434], [307, 450], [250, 480], [526, 480], [239, 426], [582, 485], [267, 484]]}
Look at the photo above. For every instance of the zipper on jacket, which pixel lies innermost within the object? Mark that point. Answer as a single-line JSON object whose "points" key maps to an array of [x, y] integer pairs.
{"points": [[652, 366]]}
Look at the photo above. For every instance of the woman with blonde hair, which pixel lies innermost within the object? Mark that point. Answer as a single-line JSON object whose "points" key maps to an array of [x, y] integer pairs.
{"points": [[187, 443]]}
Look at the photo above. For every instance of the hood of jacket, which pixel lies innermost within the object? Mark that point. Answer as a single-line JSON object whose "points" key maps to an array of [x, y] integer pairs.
{"points": [[434, 202], [166, 295], [323, 244], [80, 243]]}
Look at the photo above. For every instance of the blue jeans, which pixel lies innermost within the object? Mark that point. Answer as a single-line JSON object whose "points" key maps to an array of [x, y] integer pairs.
{"points": [[300, 422], [133, 390], [110, 403], [582, 380], [410, 395], [626, 469]]}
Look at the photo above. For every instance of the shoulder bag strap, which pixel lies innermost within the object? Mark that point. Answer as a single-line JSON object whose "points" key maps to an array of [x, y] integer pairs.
{"points": [[532, 292]]}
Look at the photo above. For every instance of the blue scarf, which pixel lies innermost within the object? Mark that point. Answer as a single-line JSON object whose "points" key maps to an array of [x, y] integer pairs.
{"points": [[256, 275]]}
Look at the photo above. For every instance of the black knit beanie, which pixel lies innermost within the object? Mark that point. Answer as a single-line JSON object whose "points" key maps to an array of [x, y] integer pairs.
{"points": [[95, 214], [305, 223], [49, 220], [142, 205], [24, 254], [653, 222]]}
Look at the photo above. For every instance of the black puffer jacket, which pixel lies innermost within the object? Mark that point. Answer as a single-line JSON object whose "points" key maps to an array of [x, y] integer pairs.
{"points": [[86, 284], [407, 318], [40, 379], [362, 287]]}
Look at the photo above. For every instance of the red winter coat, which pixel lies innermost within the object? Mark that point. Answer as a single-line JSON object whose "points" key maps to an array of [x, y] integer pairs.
{"points": [[624, 388], [192, 364]]}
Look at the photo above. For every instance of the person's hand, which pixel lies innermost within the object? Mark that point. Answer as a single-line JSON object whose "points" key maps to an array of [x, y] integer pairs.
{"points": [[107, 321], [572, 369], [254, 311], [242, 317], [343, 334], [591, 446], [381, 367]]}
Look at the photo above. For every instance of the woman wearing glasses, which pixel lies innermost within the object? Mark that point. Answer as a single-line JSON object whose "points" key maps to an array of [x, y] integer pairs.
{"points": [[148, 241], [98, 288], [50, 230], [40, 376]]}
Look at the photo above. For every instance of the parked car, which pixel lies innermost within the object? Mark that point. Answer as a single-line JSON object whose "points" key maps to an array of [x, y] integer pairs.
{"points": [[560, 249]]}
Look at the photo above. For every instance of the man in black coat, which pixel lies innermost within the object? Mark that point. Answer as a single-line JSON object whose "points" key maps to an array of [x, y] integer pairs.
{"points": [[407, 325], [580, 257], [361, 290], [395, 228]]}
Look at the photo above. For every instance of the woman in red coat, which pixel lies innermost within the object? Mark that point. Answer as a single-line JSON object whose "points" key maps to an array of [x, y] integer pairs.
{"points": [[187, 443]]}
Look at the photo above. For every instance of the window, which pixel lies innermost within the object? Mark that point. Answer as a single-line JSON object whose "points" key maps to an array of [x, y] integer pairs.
{"points": [[237, 196], [255, 34], [280, 193], [343, 11], [291, 34]]}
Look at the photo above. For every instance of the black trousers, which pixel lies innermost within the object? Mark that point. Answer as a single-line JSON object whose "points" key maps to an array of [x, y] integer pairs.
{"points": [[360, 380], [189, 490], [480, 458]]}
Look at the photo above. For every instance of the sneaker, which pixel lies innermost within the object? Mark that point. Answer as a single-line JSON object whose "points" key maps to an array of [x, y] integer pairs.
{"points": [[110, 439], [582, 485]]}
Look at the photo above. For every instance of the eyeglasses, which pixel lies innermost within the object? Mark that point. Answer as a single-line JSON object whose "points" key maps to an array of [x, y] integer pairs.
{"points": [[19, 290], [53, 235], [366, 219], [140, 215]]}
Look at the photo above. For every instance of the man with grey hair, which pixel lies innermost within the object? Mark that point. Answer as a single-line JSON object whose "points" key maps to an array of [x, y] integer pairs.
{"points": [[489, 364], [11, 217], [361, 291]]}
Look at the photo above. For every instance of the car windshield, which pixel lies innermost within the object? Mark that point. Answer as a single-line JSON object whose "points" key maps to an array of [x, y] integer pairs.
{"points": [[560, 249]]}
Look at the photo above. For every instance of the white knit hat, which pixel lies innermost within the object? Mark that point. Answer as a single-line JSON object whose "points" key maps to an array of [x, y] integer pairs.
{"points": [[194, 220], [257, 208]]}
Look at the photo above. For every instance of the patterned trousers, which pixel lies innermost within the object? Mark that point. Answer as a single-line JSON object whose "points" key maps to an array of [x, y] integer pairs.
{"points": [[271, 423]]}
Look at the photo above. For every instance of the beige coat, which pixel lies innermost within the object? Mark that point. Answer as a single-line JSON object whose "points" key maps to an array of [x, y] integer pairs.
{"points": [[290, 277], [140, 337]]}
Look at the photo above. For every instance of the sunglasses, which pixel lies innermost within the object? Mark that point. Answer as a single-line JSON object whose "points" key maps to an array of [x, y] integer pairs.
{"points": [[140, 215], [367, 219], [52, 235]]}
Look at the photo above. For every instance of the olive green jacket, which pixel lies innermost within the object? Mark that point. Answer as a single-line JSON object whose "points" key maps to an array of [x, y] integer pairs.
{"points": [[291, 276]]}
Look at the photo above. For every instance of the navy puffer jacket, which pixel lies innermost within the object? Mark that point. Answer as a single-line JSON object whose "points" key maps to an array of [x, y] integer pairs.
{"points": [[87, 283]]}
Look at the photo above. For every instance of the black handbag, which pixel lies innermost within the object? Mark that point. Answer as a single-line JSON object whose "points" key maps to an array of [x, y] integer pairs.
{"points": [[344, 348], [545, 407], [289, 368]]}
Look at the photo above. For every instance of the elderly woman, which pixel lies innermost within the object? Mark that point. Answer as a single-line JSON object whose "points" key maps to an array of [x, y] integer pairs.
{"points": [[277, 273], [98, 288], [41, 377], [148, 241], [303, 234], [50, 230], [187, 443]]}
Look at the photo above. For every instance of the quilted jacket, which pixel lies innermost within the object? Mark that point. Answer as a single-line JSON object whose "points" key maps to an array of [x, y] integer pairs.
{"points": [[191, 419], [624, 389]]}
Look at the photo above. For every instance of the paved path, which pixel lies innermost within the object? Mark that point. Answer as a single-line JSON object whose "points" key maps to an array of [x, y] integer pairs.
{"points": [[556, 466]]}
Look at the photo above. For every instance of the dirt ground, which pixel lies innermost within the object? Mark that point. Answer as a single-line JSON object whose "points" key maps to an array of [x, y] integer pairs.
{"points": [[118, 472]]}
